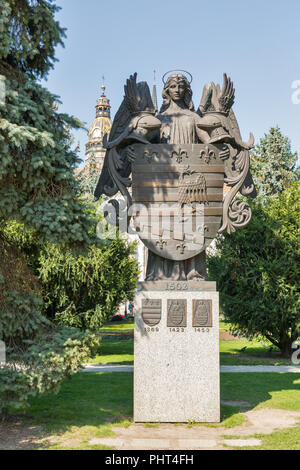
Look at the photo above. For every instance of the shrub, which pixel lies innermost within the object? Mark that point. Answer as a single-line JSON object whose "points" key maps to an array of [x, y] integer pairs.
{"points": [[258, 269], [40, 365]]}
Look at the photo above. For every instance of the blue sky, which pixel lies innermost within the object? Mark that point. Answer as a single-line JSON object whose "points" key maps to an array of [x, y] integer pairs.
{"points": [[256, 42]]}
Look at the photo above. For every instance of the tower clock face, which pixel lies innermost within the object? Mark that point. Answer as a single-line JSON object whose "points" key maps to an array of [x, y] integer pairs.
{"points": [[96, 133]]}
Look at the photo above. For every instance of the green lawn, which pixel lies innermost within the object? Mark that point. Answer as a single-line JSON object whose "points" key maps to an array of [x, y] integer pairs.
{"points": [[255, 353], [120, 351], [270, 390], [277, 391], [286, 439], [87, 406], [114, 351], [124, 326], [91, 404]]}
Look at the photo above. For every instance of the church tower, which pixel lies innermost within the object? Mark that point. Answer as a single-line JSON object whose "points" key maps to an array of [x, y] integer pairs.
{"points": [[95, 153]]}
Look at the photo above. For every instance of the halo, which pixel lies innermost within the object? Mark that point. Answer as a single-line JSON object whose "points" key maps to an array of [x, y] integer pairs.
{"points": [[191, 77]]}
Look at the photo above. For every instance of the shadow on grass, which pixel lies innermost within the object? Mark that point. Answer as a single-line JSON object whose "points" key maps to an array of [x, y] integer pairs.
{"points": [[114, 352], [88, 399], [103, 399], [244, 360], [110, 347], [230, 415], [270, 390]]}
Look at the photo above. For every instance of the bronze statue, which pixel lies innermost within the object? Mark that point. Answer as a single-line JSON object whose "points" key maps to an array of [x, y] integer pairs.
{"points": [[179, 160]]}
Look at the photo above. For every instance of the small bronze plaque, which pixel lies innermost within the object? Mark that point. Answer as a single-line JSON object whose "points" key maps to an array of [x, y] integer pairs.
{"points": [[151, 311], [177, 313], [202, 313]]}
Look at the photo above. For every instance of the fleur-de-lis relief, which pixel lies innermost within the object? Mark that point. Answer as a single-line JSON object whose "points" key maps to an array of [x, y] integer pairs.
{"points": [[180, 154], [149, 156], [181, 247], [160, 243], [207, 154]]}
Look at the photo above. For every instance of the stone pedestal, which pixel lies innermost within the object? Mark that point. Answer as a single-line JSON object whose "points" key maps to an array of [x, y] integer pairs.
{"points": [[176, 352]]}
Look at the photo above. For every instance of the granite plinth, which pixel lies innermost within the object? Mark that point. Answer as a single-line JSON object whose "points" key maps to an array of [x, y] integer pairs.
{"points": [[176, 341]]}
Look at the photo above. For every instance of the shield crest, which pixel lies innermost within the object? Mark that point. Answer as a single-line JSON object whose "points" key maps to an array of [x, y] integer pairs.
{"points": [[177, 191], [151, 311]]}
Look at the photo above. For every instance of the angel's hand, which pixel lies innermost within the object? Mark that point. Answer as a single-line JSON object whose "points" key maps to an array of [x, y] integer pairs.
{"points": [[130, 153], [225, 152]]}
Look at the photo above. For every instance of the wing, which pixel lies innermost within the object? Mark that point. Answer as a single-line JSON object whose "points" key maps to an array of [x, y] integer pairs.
{"points": [[132, 96], [205, 102], [105, 183], [226, 96], [137, 98], [219, 102], [234, 127], [216, 100]]}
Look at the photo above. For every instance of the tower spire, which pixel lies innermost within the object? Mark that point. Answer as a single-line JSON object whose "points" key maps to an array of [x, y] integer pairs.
{"points": [[103, 86], [103, 106], [95, 152], [154, 93]]}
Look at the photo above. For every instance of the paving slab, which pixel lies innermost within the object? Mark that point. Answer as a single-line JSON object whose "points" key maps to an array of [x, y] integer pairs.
{"points": [[242, 442], [167, 436], [224, 369], [107, 368], [156, 444], [289, 369]]}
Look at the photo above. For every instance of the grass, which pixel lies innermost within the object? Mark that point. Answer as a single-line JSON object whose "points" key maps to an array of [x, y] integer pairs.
{"points": [[255, 353], [234, 346], [120, 350], [286, 439], [87, 406], [248, 361], [272, 390], [114, 351], [279, 440], [91, 405], [124, 326], [230, 417]]}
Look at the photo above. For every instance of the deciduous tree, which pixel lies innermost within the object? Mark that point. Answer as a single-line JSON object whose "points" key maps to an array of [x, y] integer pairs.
{"points": [[258, 269]]}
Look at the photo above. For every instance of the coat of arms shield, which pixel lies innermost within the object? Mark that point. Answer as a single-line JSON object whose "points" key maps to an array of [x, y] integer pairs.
{"points": [[177, 192]]}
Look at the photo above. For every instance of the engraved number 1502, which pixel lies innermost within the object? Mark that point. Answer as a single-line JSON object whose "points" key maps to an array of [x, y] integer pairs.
{"points": [[177, 286]]}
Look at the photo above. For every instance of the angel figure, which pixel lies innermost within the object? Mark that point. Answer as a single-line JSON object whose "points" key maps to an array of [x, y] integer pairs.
{"points": [[214, 122], [177, 123], [180, 125]]}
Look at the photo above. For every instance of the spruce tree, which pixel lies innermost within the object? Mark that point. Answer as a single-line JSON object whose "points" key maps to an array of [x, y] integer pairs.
{"points": [[37, 185], [88, 178], [273, 164], [38, 190]]}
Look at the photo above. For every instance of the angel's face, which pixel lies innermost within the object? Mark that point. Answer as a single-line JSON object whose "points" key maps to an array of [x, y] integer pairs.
{"points": [[176, 90]]}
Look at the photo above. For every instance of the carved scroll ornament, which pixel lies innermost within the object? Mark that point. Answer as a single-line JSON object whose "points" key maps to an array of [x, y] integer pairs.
{"points": [[236, 213]]}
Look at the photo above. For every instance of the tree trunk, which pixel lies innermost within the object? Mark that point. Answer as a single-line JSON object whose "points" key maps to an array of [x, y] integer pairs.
{"points": [[286, 347]]}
